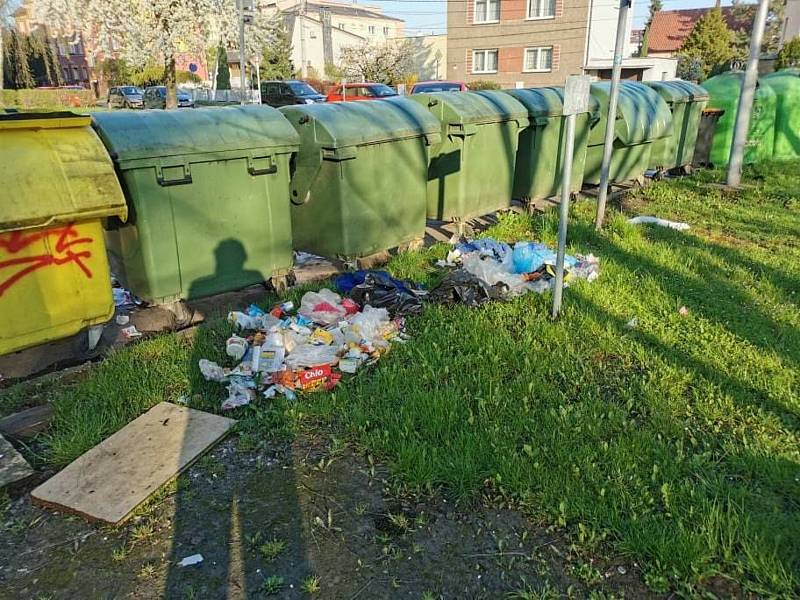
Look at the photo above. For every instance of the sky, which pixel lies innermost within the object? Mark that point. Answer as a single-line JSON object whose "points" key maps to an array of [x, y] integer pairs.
{"points": [[430, 16]]}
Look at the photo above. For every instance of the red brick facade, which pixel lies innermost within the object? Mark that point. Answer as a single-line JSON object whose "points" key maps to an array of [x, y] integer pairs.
{"points": [[513, 10]]}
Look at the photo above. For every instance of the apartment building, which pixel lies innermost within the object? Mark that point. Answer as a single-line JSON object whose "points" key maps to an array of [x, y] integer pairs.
{"points": [[319, 30], [70, 51], [521, 43]]}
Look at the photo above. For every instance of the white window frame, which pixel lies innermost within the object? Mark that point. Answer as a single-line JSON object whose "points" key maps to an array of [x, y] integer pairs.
{"points": [[486, 20], [485, 52], [531, 17], [371, 29], [538, 59]]}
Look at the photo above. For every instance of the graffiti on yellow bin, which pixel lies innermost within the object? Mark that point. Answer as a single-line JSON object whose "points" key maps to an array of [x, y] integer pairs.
{"points": [[66, 247]]}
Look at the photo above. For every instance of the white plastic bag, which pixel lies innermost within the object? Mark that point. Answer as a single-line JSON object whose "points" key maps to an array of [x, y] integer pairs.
{"points": [[211, 370], [493, 272], [323, 307], [369, 324], [238, 395], [308, 355]]}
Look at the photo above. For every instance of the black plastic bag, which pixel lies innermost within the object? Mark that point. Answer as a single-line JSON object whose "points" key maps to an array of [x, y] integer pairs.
{"points": [[462, 287], [381, 291]]}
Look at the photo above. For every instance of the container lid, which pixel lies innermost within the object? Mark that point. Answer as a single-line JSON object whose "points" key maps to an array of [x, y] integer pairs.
{"points": [[644, 116], [54, 170], [547, 101], [356, 123], [679, 91], [788, 72], [730, 81], [155, 134], [462, 108], [724, 89]]}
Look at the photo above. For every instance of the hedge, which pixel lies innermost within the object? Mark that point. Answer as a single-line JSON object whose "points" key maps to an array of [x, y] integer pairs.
{"points": [[65, 98]]}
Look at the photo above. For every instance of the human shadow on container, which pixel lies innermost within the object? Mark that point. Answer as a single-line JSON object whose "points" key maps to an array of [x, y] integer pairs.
{"points": [[230, 273]]}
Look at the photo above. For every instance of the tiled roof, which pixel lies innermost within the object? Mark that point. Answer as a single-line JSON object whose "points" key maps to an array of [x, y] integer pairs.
{"points": [[671, 27]]}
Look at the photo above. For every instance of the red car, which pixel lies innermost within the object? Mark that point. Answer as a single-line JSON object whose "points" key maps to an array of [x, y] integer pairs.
{"points": [[359, 91], [422, 87]]}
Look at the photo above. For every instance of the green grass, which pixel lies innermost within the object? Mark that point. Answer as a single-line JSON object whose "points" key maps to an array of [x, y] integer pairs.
{"points": [[675, 443]]}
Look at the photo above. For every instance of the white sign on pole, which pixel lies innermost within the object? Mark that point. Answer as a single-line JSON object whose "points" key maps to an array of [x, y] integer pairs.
{"points": [[576, 94]]}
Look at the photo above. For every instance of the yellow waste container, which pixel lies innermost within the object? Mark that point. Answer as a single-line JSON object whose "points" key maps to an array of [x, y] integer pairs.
{"points": [[56, 184]]}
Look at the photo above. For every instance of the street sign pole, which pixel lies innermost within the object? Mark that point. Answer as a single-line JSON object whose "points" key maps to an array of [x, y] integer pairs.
{"points": [[746, 96], [576, 101], [613, 95]]}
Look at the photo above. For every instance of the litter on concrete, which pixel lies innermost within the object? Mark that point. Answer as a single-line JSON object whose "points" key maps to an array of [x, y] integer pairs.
{"points": [[194, 559]]}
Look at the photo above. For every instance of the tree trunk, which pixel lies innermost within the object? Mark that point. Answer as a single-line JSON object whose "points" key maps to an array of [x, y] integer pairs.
{"points": [[170, 81]]}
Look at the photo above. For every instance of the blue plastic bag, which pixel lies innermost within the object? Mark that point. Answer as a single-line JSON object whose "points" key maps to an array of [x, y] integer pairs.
{"points": [[531, 256]]}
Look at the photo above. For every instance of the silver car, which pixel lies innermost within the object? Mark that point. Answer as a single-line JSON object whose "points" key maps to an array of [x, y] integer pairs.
{"points": [[125, 96]]}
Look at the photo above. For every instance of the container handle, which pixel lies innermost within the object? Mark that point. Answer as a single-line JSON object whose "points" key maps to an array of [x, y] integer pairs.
{"points": [[166, 181], [254, 171]]}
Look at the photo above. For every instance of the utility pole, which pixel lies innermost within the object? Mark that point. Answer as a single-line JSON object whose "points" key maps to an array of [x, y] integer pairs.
{"points": [[241, 51], [613, 95], [746, 97], [576, 100]]}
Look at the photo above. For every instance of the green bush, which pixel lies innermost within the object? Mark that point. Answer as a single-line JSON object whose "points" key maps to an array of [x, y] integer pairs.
{"points": [[186, 77], [789, 55], [482, 84], [62, 98]]}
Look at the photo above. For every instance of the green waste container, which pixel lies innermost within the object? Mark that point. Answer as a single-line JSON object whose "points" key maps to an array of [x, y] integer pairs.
{"points": [[537, 174], [642, 118], [686, 100], [786, 85], [208, 193], [724, 91], [359, 183], [471, 171]]}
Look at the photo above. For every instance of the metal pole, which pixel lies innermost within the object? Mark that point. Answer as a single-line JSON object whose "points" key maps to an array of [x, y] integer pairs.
{"points": [[241, 52], [746, 97], [258, 78], [608, 144], [302, 25], [566, 180]]}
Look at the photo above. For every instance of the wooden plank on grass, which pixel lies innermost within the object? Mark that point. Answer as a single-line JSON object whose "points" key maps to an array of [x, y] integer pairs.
{"points": [[109, 481], [13, 468], [26, 422]]}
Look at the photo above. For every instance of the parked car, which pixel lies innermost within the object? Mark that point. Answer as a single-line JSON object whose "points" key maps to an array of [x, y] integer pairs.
{"points": [[284, 93], [359, 91], [438, 86], [125, 96], [156, 97]]}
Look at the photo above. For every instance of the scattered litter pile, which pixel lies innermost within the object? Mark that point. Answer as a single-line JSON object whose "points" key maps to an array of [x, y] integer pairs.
{"points": [[281, 353], [487, 270]]}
